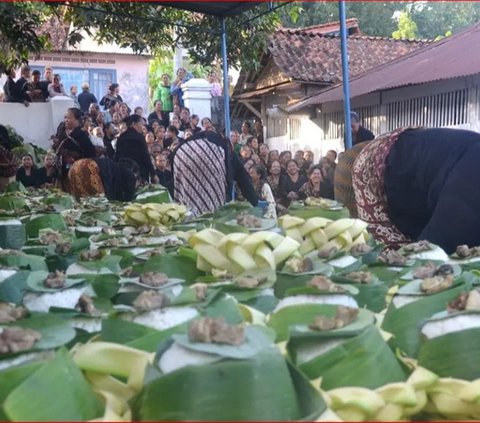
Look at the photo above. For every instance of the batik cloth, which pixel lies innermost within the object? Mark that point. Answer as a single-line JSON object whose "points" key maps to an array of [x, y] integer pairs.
{"points": [[200, 176], [85, 179]]}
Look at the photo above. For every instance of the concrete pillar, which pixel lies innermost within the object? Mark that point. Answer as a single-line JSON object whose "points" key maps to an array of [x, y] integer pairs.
{"points": [[197, 97]]}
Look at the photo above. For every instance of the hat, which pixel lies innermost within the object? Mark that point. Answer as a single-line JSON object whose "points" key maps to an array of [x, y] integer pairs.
{"points": [[354, 117]]}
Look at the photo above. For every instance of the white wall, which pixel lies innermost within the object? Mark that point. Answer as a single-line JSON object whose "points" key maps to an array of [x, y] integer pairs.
{"points": [[37, 122]]}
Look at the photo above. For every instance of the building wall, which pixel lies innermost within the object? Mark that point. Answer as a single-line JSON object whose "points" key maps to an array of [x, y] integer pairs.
{"points": [[100, 70]]}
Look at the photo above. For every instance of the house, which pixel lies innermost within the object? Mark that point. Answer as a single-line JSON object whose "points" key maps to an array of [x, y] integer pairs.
{"points": [[300, 63], [435, 86]]}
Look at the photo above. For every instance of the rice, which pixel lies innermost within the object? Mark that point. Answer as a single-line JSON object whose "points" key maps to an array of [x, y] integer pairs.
{"points": [[435, 328], [6, 273], [177, 357], [308, 351], [403, 300], [166, 318], [67, 298], [334, 299], [435, 254], [10, 222], [342, 261]]}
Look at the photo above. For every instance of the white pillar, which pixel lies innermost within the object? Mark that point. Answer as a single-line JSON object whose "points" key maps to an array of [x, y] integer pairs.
{"points": [[197, 97]]}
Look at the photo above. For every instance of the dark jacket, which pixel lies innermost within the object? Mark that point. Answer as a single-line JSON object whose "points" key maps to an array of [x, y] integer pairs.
{"points": [[27, 180], [22, 87], [431, 183], [131, 144], [43, 178], [85, 98], [164, 121], [12, 94], [119, 183], [362, 135]]}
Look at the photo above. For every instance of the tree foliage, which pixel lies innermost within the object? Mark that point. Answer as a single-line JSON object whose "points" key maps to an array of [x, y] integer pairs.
{"points": [[407, 28]]}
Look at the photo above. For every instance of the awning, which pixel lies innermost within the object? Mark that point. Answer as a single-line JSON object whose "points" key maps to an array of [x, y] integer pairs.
{"points": [[251, 94]]}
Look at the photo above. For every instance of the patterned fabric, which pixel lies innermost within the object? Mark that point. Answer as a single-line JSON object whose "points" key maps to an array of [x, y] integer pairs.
{"points": [[85, 179], [368, 185], [200, 176], [274, 185], [343, 178]]}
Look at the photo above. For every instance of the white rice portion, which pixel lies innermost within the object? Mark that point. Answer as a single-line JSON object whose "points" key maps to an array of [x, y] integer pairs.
{"points": [[177, 357], [6, 273], [403, 300], [67, 298], [435, 328], [25, 358], [10, 222], [87, 324], [89, 229], [333, 299], [436, 253], [342, 261], [166, 318], [308, 352], [76, 269]]}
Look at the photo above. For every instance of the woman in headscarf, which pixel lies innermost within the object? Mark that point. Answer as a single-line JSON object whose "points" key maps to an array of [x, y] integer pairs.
{"points": [[204, 169], [131, 144], [415, 184], [263, 190], [93, 177]]}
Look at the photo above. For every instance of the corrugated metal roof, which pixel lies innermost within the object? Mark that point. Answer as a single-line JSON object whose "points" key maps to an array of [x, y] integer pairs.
{"points": [[448, 58]]}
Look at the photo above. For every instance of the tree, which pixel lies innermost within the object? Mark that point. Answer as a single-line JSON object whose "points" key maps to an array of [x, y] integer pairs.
{"points": [[143, 26], [407, 28]]}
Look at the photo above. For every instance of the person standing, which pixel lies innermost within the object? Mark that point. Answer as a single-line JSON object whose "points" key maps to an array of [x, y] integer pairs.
{"points": [[73, 96], [85, 98], [359, 133], [163, 93], [176, 89], [158, 114]]}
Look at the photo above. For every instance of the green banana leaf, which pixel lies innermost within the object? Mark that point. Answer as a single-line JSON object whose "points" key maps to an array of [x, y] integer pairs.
{"points": [[264, 387], [371, 295], [286, 319], [55, 392], [12, 236], [53, 221], [175, 266], [403, 323], [362, 360], [306, 212], [12, 377], [35, 282], [104, 286], [12, 202], [24, 262], [453, 354], [288, 280], [61, 202], [13, 288], [153, 196], [15, 186]]}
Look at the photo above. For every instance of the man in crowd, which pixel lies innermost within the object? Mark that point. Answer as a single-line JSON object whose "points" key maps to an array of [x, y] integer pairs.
{"points": [[85, 98], [359, 133]]}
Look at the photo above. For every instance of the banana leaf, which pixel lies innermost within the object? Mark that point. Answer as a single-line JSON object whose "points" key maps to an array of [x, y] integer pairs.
{"points": [[12, 202], [61, 202], [12, 377], [263, 303], [284, 320], [13, 288], [53, 221], [223, 306], [35, 282], [153, 196], [262, 388], [452, 355], [104, 286], [175, 266], [306, 212], [363, 359], [55, 392], [12, 234], [15, 186], [403, 322], [288, 280], [112, 263], [24, 262], [371, 295]]}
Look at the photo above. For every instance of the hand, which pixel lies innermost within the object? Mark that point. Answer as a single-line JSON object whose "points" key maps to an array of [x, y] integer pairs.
{"points": [[292, 195], [155, 180]]}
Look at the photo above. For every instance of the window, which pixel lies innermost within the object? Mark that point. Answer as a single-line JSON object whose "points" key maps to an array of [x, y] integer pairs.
{"points": [[98, 79]]}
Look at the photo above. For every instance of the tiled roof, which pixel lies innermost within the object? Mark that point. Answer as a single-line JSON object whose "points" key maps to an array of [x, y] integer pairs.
{"points": [[451, 57], [310, 56]]}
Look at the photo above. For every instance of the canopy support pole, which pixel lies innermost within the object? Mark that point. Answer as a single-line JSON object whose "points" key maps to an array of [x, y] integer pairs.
{"points": [[226, 85], [345, 74]]}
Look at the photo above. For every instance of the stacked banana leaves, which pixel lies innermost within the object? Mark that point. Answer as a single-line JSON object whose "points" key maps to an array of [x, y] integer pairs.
{"points": [[102, 304]]}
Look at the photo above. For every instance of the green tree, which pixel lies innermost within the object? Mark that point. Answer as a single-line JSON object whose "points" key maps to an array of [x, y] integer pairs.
{"points": [[407, 28]]}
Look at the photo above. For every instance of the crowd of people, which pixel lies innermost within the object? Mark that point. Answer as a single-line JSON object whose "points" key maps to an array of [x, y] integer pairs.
{"points": [[96, 132]]}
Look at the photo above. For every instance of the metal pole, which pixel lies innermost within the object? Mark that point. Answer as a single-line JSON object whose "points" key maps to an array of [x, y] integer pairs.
{"points": [[226, 96], [345, 73]]}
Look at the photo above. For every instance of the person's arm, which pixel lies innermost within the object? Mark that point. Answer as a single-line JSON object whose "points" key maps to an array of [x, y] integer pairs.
{"points": [[51, 91], [62, 90]]}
